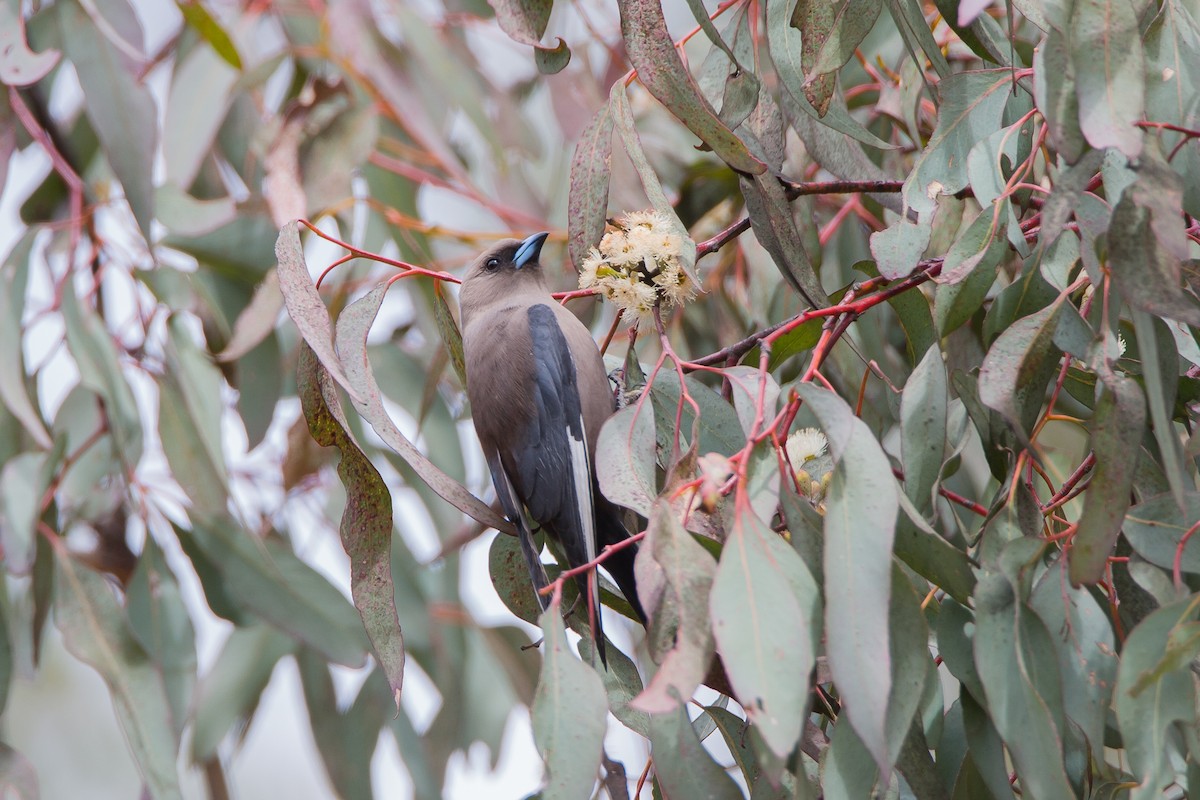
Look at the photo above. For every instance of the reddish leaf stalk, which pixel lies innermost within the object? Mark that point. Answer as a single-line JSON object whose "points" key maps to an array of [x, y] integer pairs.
{"points": [[1177, 564]]}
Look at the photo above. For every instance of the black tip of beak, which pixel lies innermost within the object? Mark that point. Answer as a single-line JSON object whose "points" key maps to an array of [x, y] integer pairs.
{"points": [[530, 249]]}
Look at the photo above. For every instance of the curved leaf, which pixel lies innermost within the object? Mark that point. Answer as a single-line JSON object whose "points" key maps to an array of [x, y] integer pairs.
{"points": [[860, 525], [569, 713]]}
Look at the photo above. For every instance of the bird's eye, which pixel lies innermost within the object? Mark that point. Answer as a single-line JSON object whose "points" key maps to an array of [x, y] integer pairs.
{"points": [[491, 264]]}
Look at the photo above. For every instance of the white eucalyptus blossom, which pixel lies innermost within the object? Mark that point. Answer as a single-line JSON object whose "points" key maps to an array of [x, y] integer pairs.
{"points": [[638, 264], [804, 445]]}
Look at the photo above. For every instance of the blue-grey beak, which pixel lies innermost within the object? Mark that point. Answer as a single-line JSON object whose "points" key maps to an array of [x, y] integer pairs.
{"points": [[529, 250]]}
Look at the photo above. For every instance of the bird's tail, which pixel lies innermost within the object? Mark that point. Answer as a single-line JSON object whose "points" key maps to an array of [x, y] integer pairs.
{"points": [[610, 529]]}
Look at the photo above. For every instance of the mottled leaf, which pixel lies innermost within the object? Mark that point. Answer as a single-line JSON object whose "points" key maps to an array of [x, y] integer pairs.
{"points": [[587, 198], [366, 526], [679, 627], [1118, 425], [662, 72]]}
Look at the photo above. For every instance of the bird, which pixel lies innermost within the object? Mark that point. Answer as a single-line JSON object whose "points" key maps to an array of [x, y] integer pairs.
{"points": [[539, 395]]}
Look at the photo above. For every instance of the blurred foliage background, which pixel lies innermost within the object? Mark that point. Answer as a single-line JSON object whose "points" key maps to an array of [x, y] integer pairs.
{"points": [[958, 239]]}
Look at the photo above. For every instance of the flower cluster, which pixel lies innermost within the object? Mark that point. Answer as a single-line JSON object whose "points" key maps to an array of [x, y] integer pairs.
{"points": [[807, 450], [638, 264]]}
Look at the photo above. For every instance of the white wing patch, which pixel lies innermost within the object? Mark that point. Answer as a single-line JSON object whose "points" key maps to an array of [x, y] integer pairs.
{"points": [[581, 474]]}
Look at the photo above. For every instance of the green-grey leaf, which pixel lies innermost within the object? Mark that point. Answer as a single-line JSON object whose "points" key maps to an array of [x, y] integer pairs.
{"points": [[1151, 701], [625, 459], [684, 767], [923, 410], [1106, 51], [971, 107], [899, 247], [268, 579], [1021, 681], [1018, 366], [569, 712], [121, 108], [766, 620], [231, 687], [860, 525], [1156, 526], [95, 630]]}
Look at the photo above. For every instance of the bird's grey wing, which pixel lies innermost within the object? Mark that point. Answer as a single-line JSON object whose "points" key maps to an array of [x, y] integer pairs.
{"points": [[512, 505], [550, 461]]}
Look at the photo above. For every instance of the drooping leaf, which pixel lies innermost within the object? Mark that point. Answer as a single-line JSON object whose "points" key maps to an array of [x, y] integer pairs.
{"points": [[1151, 701], [99, 364], [121, 108], [266, 578], [1117, 429], [679, 615], [366, 526], [568, 714], [923, 412], [662, 72], [587, 200], [305, 305], [1086, 647], [210, 30], [231, 688], [860, 524], [684, 767], [1146, 243], [1106, 51], [95, 630], [1018, 366], [766, 620], [1020, 678], [774, 225], [159, 620], [625, 459], [351, 338]]}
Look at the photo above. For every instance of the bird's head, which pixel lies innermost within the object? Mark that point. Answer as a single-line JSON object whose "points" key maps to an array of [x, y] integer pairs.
{"points": [[502, 269]]}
